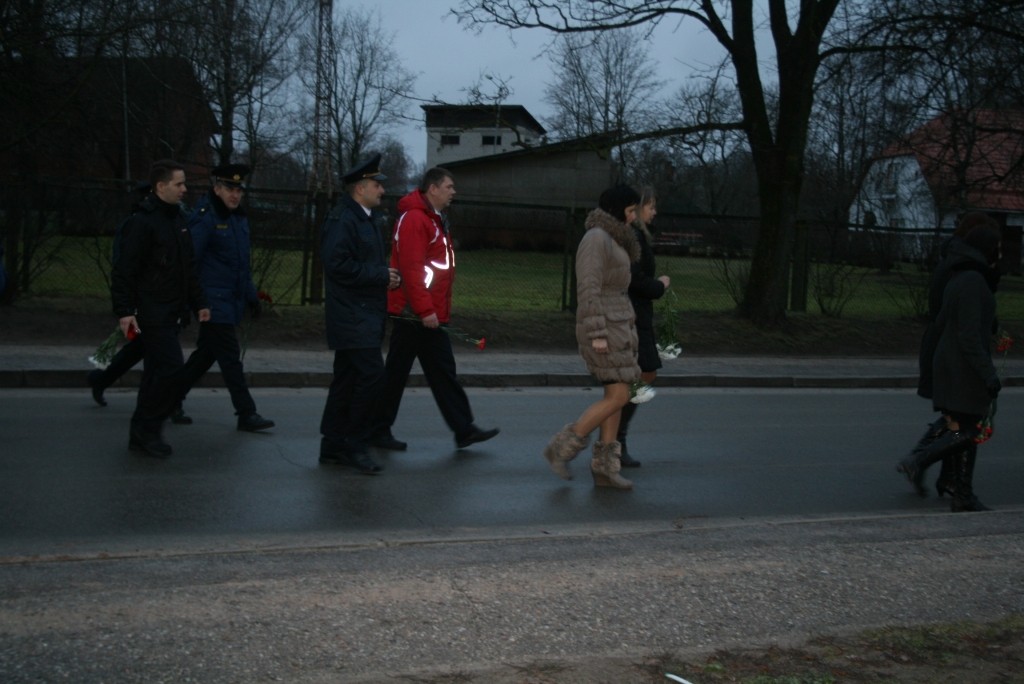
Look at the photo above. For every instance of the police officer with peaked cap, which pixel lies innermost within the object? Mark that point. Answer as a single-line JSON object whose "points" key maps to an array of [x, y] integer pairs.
{"points": [[220, 237], [357, 278]]}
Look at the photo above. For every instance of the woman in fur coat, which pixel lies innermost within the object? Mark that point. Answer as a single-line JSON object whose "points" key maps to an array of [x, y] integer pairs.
{"points": [[606, 335]]}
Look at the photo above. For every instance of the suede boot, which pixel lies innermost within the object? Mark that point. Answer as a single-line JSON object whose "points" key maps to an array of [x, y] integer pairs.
{"points": [[605, 466], [562, 448]]}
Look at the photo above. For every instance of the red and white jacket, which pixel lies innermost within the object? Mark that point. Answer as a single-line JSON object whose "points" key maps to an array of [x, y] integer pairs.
{"points": [[421, 250]]}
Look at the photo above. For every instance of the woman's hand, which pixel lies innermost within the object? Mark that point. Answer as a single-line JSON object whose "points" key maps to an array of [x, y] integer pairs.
{"points": [[600, 345]]}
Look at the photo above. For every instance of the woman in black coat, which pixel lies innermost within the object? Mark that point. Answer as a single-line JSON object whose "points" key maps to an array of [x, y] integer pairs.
{"points": [[964, 379], [954, 251], [644, 288]]}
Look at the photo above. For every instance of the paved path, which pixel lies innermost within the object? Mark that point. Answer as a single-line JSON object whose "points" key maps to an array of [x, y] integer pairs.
{"points": [[65, 366]]}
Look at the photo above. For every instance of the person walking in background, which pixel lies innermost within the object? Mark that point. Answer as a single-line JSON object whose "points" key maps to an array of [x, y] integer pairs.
{"points": [[133, 350], [965, 381], [954, 253], [644, 289], [153, 288], [220, 240], [357, 281], [606, 335], [420, 308]]}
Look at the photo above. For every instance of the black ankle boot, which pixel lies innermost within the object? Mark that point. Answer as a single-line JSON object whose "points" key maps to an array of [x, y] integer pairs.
{"points": [[917, 461], [964, 498], [625, 459]]}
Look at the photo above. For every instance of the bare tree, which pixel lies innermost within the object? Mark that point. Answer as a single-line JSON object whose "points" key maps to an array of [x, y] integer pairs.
{"points": [[371, 87], [242, 52], [602, 83], [776, 144]]}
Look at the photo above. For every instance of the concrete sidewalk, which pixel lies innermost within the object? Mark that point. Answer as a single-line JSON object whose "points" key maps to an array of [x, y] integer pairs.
{"points": [[66, 366]]}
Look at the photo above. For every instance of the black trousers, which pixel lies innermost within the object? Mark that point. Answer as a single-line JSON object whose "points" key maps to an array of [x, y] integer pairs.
{"points": [[219, 342], [351, 413], [124, 360], [162, 374], [409, 341]]}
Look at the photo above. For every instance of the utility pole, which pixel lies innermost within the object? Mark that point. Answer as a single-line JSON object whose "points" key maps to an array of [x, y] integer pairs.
{"points": [[321, 184]]}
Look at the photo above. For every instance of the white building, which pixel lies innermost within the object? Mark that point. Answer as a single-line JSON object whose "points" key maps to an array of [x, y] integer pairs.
{"points": [[456, 132]]}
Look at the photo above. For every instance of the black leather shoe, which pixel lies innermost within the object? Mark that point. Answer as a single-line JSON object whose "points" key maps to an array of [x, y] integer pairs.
{"points": [[386, 440], [476, 435], [254, 422], [359, 460], [152, 444], [97, 391], [179, 417]]}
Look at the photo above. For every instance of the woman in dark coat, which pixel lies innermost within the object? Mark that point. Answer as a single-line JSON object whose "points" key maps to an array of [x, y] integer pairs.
{"points": [[953, 252], [964, 379], [644, 289]]}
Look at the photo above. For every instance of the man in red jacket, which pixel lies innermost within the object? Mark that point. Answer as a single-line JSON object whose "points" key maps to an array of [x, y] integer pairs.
{"points": [[420, 308]]}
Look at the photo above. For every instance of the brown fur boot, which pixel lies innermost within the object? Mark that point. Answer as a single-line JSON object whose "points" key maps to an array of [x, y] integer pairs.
{"points": [[562, 448], [605, 466]]}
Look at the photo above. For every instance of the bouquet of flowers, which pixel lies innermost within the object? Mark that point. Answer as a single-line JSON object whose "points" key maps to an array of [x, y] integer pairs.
{"points": [[640, 392], [665, 330], [104, 353], [986, 425], [478, 342]]}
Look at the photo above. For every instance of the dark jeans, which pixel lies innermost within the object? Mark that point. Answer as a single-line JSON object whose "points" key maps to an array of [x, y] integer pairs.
{"points": [[351, 413], [218, 342], [409, 341], [160, 388]]}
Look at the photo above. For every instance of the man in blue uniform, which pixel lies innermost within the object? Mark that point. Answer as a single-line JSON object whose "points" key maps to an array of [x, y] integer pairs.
{"points": [[357, 280], [220, 239]]}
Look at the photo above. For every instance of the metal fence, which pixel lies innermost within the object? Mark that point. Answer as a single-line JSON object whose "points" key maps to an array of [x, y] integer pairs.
{"points": [[58, 239]]}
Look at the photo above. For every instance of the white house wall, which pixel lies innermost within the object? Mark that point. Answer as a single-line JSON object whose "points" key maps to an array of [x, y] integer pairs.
{"points": [[896, 192], [471, 143]]}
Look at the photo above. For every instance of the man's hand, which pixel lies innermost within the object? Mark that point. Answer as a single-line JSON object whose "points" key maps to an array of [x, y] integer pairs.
{"points": [[600, 345], [394, 279], [203, 315], [665, 280], [431, 321], [129, 323]]}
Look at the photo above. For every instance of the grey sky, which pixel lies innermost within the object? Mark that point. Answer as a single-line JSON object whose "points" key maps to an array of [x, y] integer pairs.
{"points": [[448, 58]]}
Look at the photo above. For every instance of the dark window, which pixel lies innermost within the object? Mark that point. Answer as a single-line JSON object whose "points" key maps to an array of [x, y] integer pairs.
{"points": [[492, 140], [449, 140]]}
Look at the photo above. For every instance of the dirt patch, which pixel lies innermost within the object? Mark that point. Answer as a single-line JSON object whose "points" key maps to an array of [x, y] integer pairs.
{"points": [[88, 322]]}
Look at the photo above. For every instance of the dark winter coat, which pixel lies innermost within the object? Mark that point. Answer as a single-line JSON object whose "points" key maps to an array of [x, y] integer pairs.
{"points": [[220, 241], [423, 254], [153, 278], [644, 288], [603, 308], [356, 275], [955, 253], [962, 366]]}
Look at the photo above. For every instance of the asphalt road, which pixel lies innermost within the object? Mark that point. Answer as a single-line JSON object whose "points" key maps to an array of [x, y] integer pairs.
{"points": [[760, 517], [68, 483]]}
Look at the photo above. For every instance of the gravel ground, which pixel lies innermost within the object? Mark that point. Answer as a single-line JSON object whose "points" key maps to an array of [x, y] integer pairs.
{"points": [[581, 604]]}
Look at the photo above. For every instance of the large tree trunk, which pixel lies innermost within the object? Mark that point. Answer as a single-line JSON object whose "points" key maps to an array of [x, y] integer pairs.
{"points": [[764, 301]]}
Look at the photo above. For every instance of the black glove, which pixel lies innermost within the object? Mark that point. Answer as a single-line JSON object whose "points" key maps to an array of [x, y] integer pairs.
{"points": [[993, 386], [255, 309]]}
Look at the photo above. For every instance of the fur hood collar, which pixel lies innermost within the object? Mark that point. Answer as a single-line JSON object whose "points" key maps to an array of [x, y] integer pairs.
{"points": [[620, 232]]}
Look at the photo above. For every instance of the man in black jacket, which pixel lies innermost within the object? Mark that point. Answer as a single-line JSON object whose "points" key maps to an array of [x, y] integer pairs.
{"points": [[357, 280], [153, 289]]}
